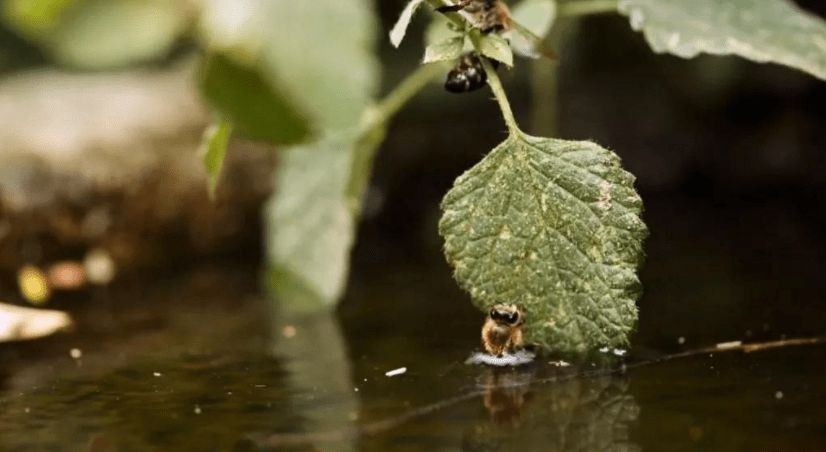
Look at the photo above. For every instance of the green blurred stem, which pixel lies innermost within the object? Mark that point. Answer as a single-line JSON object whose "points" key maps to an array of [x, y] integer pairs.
{"points": [[373, 125], [586, 7], [501, 97], [402, 93]]}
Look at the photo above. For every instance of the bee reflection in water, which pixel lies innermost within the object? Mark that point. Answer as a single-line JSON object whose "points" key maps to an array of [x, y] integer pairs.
{"points": [[507, 392]]}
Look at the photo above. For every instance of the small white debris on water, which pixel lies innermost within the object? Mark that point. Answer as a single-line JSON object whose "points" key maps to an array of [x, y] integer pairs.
{"points": [[197, 409], [604, 350], [260, 386], [157, 374], [27, 409], [395, 372], [559, 363], [681, 340], [620, 352], [356, 389], [778, 395], [727, 345], [75, 353]]}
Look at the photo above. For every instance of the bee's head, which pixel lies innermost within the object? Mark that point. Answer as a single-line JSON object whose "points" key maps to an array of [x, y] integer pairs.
{"points": [[508, 314]]}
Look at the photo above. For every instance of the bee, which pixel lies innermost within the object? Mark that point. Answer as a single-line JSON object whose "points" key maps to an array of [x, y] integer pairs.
{"points": [[468, 75], [502, 331], [486, 15], [494, 16]]}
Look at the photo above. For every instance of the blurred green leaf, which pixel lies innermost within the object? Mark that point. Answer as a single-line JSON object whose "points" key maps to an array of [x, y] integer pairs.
{"points": [[536, 15], [312, 217], [775, 31], [213, 150], [400, 29], [35, 18], [101, 34], [317, 56], [493, 46], [449, 49], [247, 100], [554, 226]]}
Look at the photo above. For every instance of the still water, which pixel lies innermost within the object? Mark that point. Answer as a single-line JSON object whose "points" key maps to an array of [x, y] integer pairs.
{"points": [[201, 365]]}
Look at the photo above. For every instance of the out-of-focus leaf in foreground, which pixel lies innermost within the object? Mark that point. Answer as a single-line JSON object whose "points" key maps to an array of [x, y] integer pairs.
{"points": [[312, 218], [246, 99], [554, 226], [101, 34], [316, 58], [776, 31]]}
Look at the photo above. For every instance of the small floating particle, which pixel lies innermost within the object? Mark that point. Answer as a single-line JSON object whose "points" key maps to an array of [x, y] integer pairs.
{"points": [[157, 374], [197, 409], [395, 372], [559, 363], [778, 395], [620, 352], [604, 350], [33, 285], [356, 389], [727, 345], [681, 340], [260, 386], [75, 353], [289, 331]]}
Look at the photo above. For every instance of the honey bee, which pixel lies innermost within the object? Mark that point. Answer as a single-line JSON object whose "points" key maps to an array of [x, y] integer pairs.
{"points": [[502, 331], [494, 16], [468, 75]]}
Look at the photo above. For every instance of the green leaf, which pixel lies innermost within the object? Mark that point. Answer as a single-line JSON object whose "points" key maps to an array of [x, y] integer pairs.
{"points": [[536, 15], [493, 46], [248, 100], [35, 18], [102, 34], [399, 30], [449, 49], [554, 226], [312, 217], [213, 150], [441, 29], [761, 30], [317, 56]]}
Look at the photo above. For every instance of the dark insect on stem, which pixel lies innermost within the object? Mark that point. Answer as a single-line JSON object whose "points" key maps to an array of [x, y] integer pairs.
{"points": [[469, 74]]}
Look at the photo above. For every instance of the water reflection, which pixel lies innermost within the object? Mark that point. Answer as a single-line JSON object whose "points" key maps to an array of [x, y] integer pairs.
{"points": [[315, 355], [577, 414]]}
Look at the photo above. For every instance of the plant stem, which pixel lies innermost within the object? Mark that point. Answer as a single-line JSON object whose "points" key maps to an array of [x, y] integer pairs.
{"points": [[586, 7], [501, 97], [401, 94]]}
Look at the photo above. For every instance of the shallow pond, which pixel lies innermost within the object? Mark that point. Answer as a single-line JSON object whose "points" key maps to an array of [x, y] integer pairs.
{"points": [[199, 365]]}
